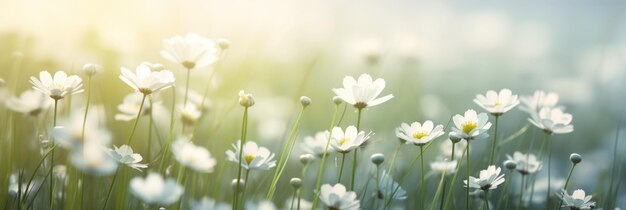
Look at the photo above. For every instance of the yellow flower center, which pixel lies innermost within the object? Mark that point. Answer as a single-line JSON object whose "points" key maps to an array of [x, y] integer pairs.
{"points": [[497, 103], [189, 64], [342, 141], [248, 158], [419, 135], [468, 126]]}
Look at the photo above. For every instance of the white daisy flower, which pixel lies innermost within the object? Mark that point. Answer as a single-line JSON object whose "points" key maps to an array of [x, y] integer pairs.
{"points": [[552, 120], [444, 166], [30, 102], [459, 149], [155, 190], [189, 114], [362, 93], [419, 134], [387, 186], [540, 99], [316, 144], [497, 103], [208, 204], [131, 105], [336, 197], [126, 156], [59, 86], [147, 81], [192, 156], [471, 126], [347, 141], [525, 163], [488, 179], [254, 157], [577, 200], [92, 159], [191, 51]]}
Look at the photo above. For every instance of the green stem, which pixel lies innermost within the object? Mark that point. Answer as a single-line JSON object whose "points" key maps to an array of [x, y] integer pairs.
{"points": [[493, 143], [132, 132], [244, 125], [377, 185], [170, 135], [441, 182], [467, 175], [422, 176], [86, 108], [299, 198], [321, 169], [343, 160], [456, 172], [54, 124], [187, 87], [388, 202], [549, 173], [506, 186], [356, 150], [282, 162], [106, 201], [521, 193], [486, 204], [569, 175], [245, 186]]}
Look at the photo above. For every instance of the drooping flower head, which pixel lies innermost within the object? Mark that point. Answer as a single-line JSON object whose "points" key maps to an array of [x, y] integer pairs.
{"points": [[156, 190], [347, 141], [191, 51], [30, 102], [336, 197], [145, 80], [254, 157], [471, 125], [362, 93], [578, 200], [552, 120], [419, 134], [525, 163], [497, 103], [489, 178], [125, 155], [59, 86], [316, 144], [192, 156]]}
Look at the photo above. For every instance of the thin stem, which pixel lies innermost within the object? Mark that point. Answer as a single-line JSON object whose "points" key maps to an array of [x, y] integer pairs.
{"points": [[187, 87], [422, 175], [343, 160], [245, 186], [549, 172], [106, 201], [244, 125], [441, 182], [493, 143], [86, 108], [521, 193], [377, 193], [456, 172], [282, 162], [467, 175], [569, 175], [54, 124], [506, 186], [132, 132], [388, 202], [170, 135], [321, 169], [356, 150], [486, 204], [299, 198], [293, 198]]}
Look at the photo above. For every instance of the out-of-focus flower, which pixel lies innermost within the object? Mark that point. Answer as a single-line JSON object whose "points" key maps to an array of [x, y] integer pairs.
{"points": [[91, 69], [254, 157], [316, 144], [347, 141], [552, 120], [525, 163], [69, 133], [59, 86], [577, 200], [488, 179], [191, 51], [30, 102], [362, 93], [192, 156], [189, 114], [540, 99], [130, 106], [419, 134], [304, 204], [60, 172], [444, 166], [92, 159], [261, 205], [497, 103], [471, 126], [125, 155], [459, 149], [336, 197], [245, 99], [388, 187], [155, 190], [208, 204], [147, 81]]}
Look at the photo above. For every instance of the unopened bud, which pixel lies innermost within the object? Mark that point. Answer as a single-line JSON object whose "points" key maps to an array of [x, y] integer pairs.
{"points": [[510, 165], [378, 158], [296, 182], [306, 158], [305, 101], [91, 69], [575, 158]]}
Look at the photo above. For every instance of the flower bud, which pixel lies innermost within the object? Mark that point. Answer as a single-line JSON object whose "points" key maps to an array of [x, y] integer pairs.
{"points": [[233, 184], [510, 165], [245, 99], [337, 100], [377, 158], [305, 101], [454, 138], [223, 44], [91, 69], [296, 182], [306, 158], [575, 158]]}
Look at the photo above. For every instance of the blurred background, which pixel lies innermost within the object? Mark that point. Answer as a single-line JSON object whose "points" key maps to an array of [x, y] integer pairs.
{"points": [[434, 56]]}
